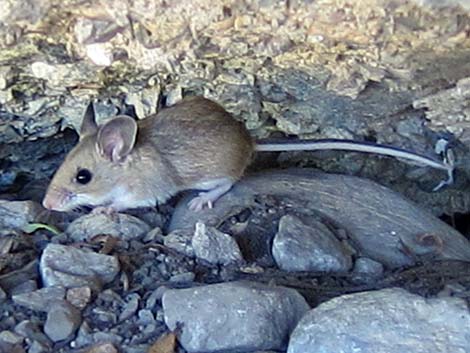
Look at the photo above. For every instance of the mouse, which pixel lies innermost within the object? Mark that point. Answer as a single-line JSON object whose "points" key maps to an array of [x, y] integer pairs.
{"points": [[194, 144]]}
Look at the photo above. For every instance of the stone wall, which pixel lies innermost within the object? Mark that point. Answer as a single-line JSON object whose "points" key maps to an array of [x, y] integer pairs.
{"points": [[395, 72]]}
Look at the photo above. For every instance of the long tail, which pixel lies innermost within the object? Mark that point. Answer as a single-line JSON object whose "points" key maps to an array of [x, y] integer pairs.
{"points": [[357, 146]]}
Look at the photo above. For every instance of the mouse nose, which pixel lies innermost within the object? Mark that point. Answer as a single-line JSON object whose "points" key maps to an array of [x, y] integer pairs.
{"points": [[49, 202], [46, 203]]}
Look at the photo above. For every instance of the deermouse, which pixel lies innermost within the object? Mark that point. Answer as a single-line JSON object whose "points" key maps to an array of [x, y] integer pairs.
{"points": [[194, 144]]}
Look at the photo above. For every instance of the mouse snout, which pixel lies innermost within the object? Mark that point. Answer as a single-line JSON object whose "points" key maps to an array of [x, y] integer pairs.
{"points": [[54, 200], [48, 202]]}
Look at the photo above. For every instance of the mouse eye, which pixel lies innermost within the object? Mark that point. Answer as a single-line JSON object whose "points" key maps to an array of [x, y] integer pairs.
{"points": [[83, 176]]}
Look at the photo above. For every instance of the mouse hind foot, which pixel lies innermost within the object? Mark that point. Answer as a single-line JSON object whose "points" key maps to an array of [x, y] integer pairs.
{"points": [[214, 189]]}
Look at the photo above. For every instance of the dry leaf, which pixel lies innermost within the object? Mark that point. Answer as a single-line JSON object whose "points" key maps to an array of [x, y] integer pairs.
{"points": [[165, 344], [108, 243], [102, 348]]}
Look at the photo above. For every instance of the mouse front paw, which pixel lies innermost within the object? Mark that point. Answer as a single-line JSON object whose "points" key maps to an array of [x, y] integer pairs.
{"points": [[199, 202]]}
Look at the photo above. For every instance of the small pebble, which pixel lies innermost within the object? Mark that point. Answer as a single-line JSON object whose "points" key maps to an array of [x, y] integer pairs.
{"points": [[3, 295], [186, 277], [79, 296], [38, 347], [63, 319], [102, 348], [25, 287], [41, 299], [10, 337], [130, 307], [367, 270], [214, 246]]}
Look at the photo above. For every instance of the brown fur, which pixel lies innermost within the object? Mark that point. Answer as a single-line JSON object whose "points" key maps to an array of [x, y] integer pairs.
{"points": [[179, 148], [200, 140]]}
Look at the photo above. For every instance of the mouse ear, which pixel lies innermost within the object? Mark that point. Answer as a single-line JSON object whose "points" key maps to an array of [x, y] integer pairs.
{"points": [[116, 138], [89, 125]]}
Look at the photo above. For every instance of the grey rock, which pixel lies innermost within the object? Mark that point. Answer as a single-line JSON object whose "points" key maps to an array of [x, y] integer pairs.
{"points": [[79, 296], [215, 247], [29, 329], [386, 321], [25, 287], [301, 117], [38, 347], [41, 299], [185, 277], [141, 348], [105, 316], [235, 316], [18, 214], [102, 348], [8, 348], [155, 296], [3, 295], [10, 337], [180, 240], [71, 267], [63, 319], [154, 235], [83, 337], [149, 329], [146, 317], [381, 223], [107, 337], [444, 3], [367, 270], [308, 247], [453, 290], [130, 307], [120, 225]]}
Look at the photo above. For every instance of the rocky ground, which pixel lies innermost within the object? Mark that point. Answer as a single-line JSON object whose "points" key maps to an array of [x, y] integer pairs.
{"points": [[365, 257], [240, 277]]}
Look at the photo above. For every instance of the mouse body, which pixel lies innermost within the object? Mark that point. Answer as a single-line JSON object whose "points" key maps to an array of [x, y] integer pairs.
{"points": [[194, 144], [124, 163]]}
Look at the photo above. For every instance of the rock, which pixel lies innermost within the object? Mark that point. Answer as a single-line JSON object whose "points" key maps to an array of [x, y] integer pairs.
{"points": [[308, 247], [215, 247], [41, 299], [63, 319], [25, 287], [18, 214], [79, 296], [386, 321], [367, 270], [3, 295], [155, 296], [180, 240], [145, 317], [29, 329], [69, 267], [393, 233], [107, 337], [120, 225], [8, 348], [235, 316], [130, 307], [11, 338], [102, 348], [83, 337], [154, 235], [38, 347], [185, 277]]}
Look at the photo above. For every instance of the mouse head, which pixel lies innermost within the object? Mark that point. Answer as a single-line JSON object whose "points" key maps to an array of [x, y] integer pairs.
{"points": [[95, 167]]}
